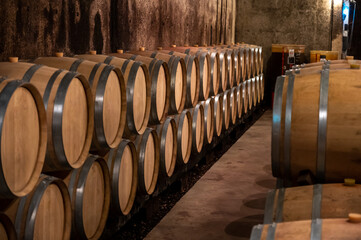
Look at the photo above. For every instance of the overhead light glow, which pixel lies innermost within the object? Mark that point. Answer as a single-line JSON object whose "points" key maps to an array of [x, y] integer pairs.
{"points": [[345, 10]]}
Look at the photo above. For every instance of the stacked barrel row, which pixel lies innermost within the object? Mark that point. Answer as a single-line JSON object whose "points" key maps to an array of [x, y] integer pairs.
{"points": [[81, 135], [315, 140]]}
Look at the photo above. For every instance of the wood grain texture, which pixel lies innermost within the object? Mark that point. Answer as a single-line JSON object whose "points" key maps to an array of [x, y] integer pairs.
{"points": [[76, 131], [50, 209], [337, 202], [331, 229], [342, 125]]}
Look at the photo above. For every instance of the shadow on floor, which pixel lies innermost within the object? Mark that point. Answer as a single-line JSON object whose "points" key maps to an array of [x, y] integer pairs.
{"points": [[243, 227]]}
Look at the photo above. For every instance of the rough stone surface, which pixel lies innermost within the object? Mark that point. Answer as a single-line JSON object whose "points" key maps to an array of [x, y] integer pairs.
{"points": [[264, 22], [229, 199], [29, 29]]}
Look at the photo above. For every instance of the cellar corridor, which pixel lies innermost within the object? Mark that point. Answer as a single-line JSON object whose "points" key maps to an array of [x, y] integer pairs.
{"points": [[230, 198]]}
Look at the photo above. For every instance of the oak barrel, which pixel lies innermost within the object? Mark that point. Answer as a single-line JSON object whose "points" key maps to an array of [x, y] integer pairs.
{"points": [[147, 146], [167, 134], [254, 60], [218, 114], [160, 85], [45, 213], [247, 52], [214, 67], [317, 69], [245, 97], [240, 101], [312, 202], [249, 90], [184, 136], [123, 169], [23, 137], [224, 62], [255, 84], [194, 84], [242, 64], [239, 56], [339, 228], [137, 82], [226, 108], [107, 85], [234, 58], [209, 119], [262, 85], [233, 105], [316, 125], [64, 93], [197, 128], [178, 78], [7, 229], [89, 188]]}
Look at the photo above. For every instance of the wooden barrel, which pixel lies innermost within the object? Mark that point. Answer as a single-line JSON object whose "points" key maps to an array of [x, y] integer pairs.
{"points": [[318, 69], [64, 93], [249, 90], [217, 65], [209, 119], [233, 105], [123, 169], [242, 64], [255, 85], [226, 108], [232, 66], [147, 146], [312, 202], [218, 114], [315, 55], [197, 128], [167, 134], [240, 101], [205, 75], [184, 136], [193, 76], [260, 59], [234, 80], [224, 62], [89, 188], [45, 213], [253, 91], [248, 68], [107, 85], [339, 228], [215, 73], [235, 70], [23, 137], [178, 78], [212, 58], [255, 67], [251, 60], [7, 229], [324, 124], [138, 85], [245, 97], [261, 86], [160, 85]]}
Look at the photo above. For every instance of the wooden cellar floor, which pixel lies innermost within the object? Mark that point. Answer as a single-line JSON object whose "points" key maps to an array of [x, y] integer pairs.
{"points": [[229, 199]]}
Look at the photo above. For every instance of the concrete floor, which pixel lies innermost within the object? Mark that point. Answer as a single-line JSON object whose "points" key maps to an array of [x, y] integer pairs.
{"points": [[229, 199]]}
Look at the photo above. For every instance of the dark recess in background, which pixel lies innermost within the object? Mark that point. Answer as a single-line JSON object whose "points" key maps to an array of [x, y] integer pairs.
{"points": [[356, 40]]}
